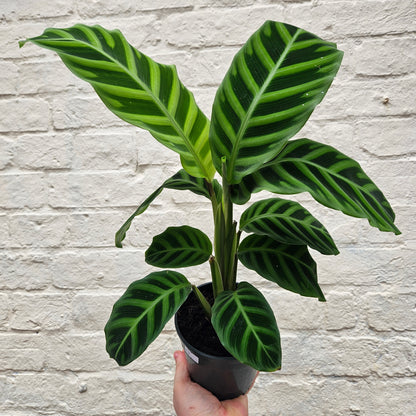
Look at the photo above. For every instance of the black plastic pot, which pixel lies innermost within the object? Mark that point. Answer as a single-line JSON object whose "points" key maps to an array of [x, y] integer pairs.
{"points": [[223, 376]]}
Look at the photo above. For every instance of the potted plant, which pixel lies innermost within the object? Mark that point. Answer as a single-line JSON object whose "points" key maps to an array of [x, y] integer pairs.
{"points": [[274, 83]]}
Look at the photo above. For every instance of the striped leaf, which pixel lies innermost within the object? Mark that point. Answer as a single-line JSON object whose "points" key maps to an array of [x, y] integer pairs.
{"points": [[274, 83], [179, 247], [332, 178], [141, 313], [287, 222], [290, 266], [137, 89], [246, 326], [180, 181]]}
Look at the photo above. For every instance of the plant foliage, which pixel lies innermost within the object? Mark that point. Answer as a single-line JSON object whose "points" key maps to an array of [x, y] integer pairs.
{"points": [[271, 88]]}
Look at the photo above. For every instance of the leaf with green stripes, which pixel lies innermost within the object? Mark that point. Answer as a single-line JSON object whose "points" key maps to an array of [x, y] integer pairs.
{"points": [[290, 266], [332, 178], [180, 181], [274, 83], [287, 222], [179, 247], [246, 326], [137, 89], [141, 313]]}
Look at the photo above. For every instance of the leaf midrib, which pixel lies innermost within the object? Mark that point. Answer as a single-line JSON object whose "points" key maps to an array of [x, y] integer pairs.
{"points": [[254, 103], [251, 326], [159, 299], [138, 81]]}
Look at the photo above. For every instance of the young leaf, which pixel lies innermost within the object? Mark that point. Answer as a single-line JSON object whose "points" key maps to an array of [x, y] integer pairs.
{"points": [[137, 89], [274, 83], [332, 178], [287, 222], [290, 266], [140, 314], [246, 326], [179, 247], [180, 181]]}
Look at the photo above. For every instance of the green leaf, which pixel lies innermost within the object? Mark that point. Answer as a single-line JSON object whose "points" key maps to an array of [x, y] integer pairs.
{"points": [[332, 178], [137, 89], [274, 83], [287, 222], [180, 181], [179, 247], [246, 326], [290, 266], [140, 314]]}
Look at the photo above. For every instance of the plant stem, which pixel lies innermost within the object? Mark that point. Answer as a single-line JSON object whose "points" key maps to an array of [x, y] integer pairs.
{"points": [[203, 301], [217, 284], [227, 256]]}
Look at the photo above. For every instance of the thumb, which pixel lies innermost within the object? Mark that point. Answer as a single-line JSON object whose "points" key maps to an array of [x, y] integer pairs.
{"points": [[181, 373]]}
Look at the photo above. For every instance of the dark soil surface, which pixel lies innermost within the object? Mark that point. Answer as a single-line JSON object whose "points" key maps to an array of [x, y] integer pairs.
{"points": [[197, 328]]}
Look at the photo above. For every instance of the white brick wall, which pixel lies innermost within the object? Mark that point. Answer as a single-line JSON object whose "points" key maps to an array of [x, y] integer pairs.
{"points": [[71, 173]]}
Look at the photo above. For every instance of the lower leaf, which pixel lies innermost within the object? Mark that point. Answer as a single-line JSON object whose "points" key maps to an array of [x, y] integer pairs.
{"points": [[246, 326], [290, 266], [141, 313]]}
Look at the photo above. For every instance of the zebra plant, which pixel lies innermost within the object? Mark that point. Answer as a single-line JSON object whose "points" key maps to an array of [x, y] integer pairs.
{"points": [[273, 85]]}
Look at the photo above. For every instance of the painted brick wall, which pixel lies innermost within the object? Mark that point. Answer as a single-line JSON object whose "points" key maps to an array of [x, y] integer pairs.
{"points": [[71, 173]]}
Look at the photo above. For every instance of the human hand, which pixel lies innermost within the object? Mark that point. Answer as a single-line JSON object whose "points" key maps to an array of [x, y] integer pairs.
{"points": [[190, 399]]}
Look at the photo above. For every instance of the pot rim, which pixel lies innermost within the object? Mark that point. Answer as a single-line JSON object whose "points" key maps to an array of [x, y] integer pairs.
{"points": [[195, 350]]}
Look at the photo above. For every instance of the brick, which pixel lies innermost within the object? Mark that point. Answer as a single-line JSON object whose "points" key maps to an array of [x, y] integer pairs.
{"points": [[90, 311], [14, 32], [92, 269], [6, 152], [62, 393], [398, 136], [294, 312], [25, 271], [329, 355], [200, 67], [40, 312], [20, 191], [44, 151], [393, 57], [214, 27], [22, 10], [105, 151], [105, 7], [92, 229], [24, 114], [368, 18], [74, 112], [70, 190], [365, 397], [367, 266], [4, 230], [391, 311], [9, 78], [45, 76], [39, 230], [368, 98], [4, 311]]}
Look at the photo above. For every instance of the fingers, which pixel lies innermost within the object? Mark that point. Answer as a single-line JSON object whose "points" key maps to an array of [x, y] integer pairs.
{"points": [[181, 372]]}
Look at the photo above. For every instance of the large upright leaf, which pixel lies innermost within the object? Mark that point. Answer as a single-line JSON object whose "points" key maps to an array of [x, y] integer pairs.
{"points": [[274, 83], [180, 181], [290, 266], [287, 222], [246, 326], [332, 178], [140, 314], [137, 89], [179, 247]]}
